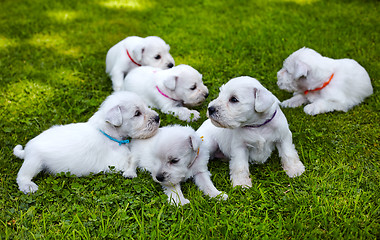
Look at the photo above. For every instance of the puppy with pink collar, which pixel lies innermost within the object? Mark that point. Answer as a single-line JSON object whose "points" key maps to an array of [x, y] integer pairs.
{"points": [[170, 90]]}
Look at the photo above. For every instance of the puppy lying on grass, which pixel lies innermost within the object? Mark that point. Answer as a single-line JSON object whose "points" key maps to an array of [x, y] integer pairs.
{"points": [[169, 90], [134, 52], [89, 147], [323, 83], [172, 156], [245, 124]]}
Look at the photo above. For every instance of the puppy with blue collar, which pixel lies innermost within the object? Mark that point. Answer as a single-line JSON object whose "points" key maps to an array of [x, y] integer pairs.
{"points": [[89, 147]]}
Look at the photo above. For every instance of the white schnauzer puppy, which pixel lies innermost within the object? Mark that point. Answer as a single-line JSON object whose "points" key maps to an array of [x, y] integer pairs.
{"points": [[323, 83], [134, 52], [169, 90], [245, 124], [172, 156], [89, 147]]}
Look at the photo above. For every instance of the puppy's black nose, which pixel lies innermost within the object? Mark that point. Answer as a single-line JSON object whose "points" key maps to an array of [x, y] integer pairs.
{"points": [[157, 119], [170, 65], [206, 95], [211, 110], [160, 177]]}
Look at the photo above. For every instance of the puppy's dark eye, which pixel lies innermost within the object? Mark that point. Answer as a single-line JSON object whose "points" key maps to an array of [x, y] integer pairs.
{"points": [[158, 57], [193, 87], [173, 160], [137, 113], [233, 100]]}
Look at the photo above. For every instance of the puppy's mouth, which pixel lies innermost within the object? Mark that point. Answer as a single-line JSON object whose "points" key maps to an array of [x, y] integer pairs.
{"points": [[217, 124]]}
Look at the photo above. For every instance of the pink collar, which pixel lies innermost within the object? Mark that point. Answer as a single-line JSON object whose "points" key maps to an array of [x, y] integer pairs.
{"points": [[132, 59], [163, 94]]}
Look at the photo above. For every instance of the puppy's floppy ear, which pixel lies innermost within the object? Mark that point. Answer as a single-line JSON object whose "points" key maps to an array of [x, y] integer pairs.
{"points": [[171, 82], [114, 116], [301, 70], [263, 99], [138, 52], [195, 142]]}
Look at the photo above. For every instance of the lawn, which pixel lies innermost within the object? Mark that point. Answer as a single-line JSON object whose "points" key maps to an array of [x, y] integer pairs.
{"points": [[52, 59]]}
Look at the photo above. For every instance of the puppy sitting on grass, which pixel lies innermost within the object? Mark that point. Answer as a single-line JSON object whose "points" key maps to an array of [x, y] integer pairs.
{"points": [[246, 124], [169, 90], [172, 156], [134, 52], [89, 147], [324, 84]]}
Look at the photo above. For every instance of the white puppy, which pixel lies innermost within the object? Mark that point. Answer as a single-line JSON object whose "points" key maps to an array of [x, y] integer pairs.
{"points": [[327, 84], [169, 90], [246, 124], [89, 147], [133, 52], [172, 156]]}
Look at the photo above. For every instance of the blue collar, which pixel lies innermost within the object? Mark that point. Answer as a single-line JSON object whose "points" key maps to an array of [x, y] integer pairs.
{"points": [[115, 140]]}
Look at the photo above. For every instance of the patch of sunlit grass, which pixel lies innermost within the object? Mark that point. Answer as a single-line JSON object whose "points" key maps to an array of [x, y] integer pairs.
{"points": [[132, 4], [62, 16]]}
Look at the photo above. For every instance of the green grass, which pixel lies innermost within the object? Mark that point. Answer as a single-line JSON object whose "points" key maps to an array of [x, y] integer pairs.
{"points": [[52, 56]]}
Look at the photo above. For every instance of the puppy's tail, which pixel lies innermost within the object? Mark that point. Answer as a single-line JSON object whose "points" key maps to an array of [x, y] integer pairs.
{"points": [[19, 152]]}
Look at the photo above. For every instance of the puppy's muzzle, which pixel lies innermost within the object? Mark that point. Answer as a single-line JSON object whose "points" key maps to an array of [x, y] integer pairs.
{"points": [[211, 110], [157, 119], [160, 177]]}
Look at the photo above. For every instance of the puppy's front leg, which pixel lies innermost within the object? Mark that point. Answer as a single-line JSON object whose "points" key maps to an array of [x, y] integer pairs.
{"points": [[183, 113], [239, 167], [295, 101], [203, 181], [175, 195], [289, 157], [130, 171], [117, 77]]}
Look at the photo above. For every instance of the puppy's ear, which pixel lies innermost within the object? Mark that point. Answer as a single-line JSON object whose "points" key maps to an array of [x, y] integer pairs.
{"points": [[138, 52], [195, 142], [301, 70], [114, 116], [263, 100], [171, 82]]}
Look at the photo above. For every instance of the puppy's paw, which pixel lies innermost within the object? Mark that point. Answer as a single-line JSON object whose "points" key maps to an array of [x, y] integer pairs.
{"points": [[291, 103], [178, 202], [129, 174], [294, 170], [194, 115], [188, 115], [222, 196], [30, 187], [243, 182], [312, 109]]}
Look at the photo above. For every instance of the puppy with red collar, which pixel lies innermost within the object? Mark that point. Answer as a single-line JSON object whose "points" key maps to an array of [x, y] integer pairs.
{"points": [[324, 84], [134, 52]]}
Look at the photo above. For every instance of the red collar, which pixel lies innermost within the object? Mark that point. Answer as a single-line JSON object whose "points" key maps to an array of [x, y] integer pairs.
{"points": [[324, 85], [132, 59]]}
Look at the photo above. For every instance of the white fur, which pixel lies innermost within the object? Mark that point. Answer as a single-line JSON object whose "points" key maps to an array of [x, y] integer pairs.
{"points": [[306, 69], [172, 157], [243, 102], [80, 148], [144, 51], [182, 84]]}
